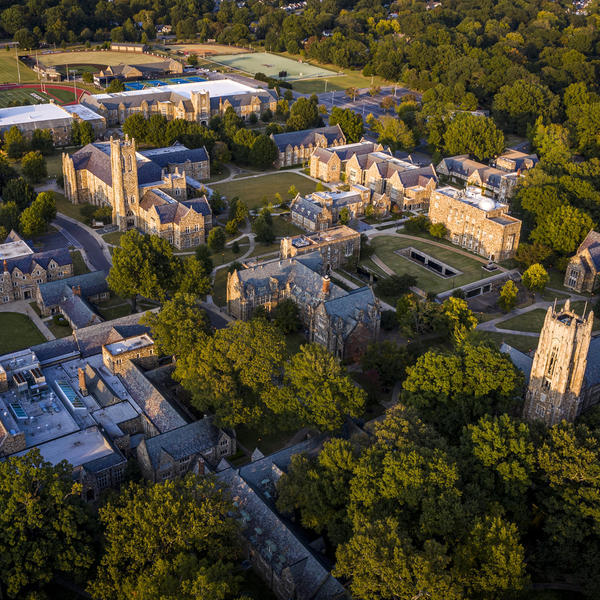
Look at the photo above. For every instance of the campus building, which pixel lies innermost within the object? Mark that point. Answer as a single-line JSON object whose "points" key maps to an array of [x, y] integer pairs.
{"points": [[563, 378], [583, 268], [56, 119], [156, 191], [197, 101], [476, 222], [321, 210], [89, 399], [296, 147], [23, 270], [495, 182], [123, 72], [328, 164], [341, 321], [338, 246]]}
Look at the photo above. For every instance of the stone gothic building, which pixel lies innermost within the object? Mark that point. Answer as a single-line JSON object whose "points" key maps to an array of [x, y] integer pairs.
{"points": [[563, 379], [156, 191], [584, 268]]}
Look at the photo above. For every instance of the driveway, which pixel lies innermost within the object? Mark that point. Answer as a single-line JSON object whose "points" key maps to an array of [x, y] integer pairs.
{"points": [[79, 237]]}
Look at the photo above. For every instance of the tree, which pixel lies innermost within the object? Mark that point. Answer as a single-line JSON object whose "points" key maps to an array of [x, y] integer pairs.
{"points": [[350, 122], [18, 191], [116, 85], [45, 526], [14, 144], [319, 487], [216, 239], [453, 390], [351, 92], [563, 229], [35, 219], [535, 278], [263, 227], [417, 224], [387, 103], [232, 374], [393, 133], [460, 319], [508, 296], [344, 217], [475, 135], [168, 540], [9, 216], [438, 230], [388, 360], [529, 254], [41, 140], [264, 152], [86, 133], [144, 265], [179, 327], [194, 279], [286, 316], [395, 286], [192, 59], [292, 191], [304, 114], [34, 166], [552, 144], [203, 255], [317, 391], [417, 317]]}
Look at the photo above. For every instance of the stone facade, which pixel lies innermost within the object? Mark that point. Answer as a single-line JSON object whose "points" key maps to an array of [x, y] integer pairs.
{"points": [[116, 356], [328, 164], [564, 381], [343, 322], [296, 147], [22, 274], [476, 222], [584, 268], [338, 246], [147, 190]]}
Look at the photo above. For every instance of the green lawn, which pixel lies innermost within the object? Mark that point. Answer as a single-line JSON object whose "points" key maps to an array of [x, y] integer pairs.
{"points": [[471, 269], [22, 96], [115, 312], [18, 332], [114, 237], [282, 227], [530, 321], [219, 291], [228, 255], [524, 343], [261, 249], [253, 189], [66, 207], [266, 443], [8, 69], [59, 331], [79, 266]]}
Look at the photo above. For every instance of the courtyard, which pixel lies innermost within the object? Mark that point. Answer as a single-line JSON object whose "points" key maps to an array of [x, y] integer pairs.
{"points": [[385, 249], [252, 190]]}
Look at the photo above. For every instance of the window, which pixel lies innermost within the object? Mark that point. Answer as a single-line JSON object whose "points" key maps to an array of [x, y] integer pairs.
{"points": [[103, 479], [573, 277], [551, 363]]}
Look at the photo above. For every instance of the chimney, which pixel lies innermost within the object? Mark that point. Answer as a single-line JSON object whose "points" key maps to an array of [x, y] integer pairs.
{"points": [[82, 383], [76, 289], [326, 284], [5, 265]]}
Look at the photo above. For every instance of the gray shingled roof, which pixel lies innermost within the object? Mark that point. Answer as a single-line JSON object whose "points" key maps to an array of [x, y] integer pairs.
{"points": [[79, 312], [175, 154], [182, 442], [520, 359], [305, 137], [96, 159], [27, 263], [307, 208], [54, 292]]}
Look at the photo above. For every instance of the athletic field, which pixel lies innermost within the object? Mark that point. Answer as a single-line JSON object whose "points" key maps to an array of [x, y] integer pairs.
{"points": [[97, 57], [271, 65], [8, 69], [206, 49], [33, 95]]}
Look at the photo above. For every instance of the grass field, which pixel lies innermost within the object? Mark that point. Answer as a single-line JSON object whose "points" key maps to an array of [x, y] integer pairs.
{"points": [[271, 65], [96, 57], [471, 269], [22, 96], [524, 343], [79, 266], [18, 332], [8, 69], [254, 189], [206, 49]]}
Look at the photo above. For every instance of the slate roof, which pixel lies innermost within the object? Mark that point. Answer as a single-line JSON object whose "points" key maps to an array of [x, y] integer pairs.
{"points": [[96, 159], [466, 167], [170, 210], [307, 208], [175, 154], [27, 262], [150, 400], [200, 205], [182, 442], [54, 292], [79, 312], [305, 137], [592, 244], [420, 176]]}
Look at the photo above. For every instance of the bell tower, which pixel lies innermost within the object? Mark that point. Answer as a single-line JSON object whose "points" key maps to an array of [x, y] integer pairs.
{"points": [[558, 369], [125, 189]]}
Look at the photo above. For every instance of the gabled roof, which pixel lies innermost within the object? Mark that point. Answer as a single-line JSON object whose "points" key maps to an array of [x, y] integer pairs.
{"points": [[55, 292], [306, 137], [592, 244], [79, 312], [28, 262], [175, 154], [96, 159], [182, 442]]}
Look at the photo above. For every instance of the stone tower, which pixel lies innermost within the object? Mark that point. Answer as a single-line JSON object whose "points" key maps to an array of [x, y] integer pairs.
{"points": [[125, 190], [201, 103], [556, 387]]}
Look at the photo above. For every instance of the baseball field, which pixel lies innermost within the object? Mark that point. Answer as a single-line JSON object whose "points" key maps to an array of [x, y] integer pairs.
{"points": [[96, 57]]}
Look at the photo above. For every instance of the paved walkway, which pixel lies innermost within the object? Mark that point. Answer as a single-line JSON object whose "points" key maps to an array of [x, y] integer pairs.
{"points": [[22, 307]]}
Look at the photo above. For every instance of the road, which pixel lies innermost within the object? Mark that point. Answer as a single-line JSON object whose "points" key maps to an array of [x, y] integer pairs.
{"points": [[80, 238]]}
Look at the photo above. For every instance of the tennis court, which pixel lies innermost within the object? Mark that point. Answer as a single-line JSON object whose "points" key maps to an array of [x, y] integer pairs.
{"points": [[140, 85], [271, 65]]}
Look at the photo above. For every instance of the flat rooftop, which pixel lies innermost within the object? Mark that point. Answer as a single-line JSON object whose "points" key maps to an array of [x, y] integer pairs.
{"points": [[472, 196], [14, 250], [139, 341], [83, 112], [33, 113], [218, 87], [326, 235]]}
